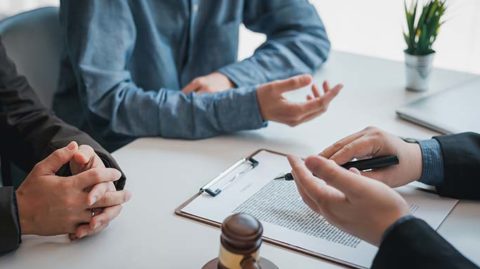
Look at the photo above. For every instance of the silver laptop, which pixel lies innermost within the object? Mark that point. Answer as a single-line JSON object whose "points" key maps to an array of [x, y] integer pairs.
{"points": [[451, 111]]}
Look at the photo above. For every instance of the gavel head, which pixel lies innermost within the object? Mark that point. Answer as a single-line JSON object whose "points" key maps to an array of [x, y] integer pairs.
{"points": [[241, 234], [240, 242], [240, 245]]}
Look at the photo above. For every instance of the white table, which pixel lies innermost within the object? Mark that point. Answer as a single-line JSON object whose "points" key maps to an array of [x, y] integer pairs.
{"points": [[164, 173]]}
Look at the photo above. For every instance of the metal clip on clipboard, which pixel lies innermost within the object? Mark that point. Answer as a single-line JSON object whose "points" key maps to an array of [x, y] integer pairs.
{"points": [[225, 179]]}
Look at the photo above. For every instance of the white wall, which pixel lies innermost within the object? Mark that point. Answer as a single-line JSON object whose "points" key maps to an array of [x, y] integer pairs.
{"points": [[374, 27], [371, 27], [8, 7]]}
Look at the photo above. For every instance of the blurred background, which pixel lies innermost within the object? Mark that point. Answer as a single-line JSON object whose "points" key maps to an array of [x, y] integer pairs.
{"points": [[369, 27]]}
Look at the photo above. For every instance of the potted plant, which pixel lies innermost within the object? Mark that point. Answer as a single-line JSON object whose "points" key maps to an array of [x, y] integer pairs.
{"points": [[420, 35]]}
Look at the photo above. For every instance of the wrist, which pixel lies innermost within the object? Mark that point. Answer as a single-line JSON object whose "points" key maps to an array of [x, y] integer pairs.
{"points": [[414, 160], [24, 220], [261, 106], [225, 79], [389, 221]]}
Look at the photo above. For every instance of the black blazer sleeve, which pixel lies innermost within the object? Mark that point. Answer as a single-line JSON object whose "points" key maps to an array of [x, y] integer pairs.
{"points": [[9, 226], [414, 244], [30, 132], [461, 160]]}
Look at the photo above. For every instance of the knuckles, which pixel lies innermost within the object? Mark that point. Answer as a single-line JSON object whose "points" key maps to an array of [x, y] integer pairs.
{"points": [[330, 170], [96, 174], [375, 133], [71, 219], [337, 146], [372, 130], [348, 148], [72, 203], [38, 166]]}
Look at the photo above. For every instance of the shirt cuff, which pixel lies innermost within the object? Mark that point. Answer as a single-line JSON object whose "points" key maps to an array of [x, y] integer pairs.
{"points": [[432, 162], [395, 224], [240, 109]]}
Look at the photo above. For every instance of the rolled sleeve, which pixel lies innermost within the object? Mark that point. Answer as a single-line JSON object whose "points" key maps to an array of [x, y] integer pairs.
{"points": [[241, 110], [210, 114], [432, 163], [296, 43]]}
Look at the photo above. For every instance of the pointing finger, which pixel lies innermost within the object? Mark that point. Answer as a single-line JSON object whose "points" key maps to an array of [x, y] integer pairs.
{"points": [[315, 91], [325, 86], [359, 148], [330, 95], [335, 176], [313, 187], [113, 198], [105, 217], [97, 192], [329, 151]]}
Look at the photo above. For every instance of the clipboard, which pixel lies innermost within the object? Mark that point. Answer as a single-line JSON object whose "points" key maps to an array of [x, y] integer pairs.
{"points": [[179, 212], [430, 207]]}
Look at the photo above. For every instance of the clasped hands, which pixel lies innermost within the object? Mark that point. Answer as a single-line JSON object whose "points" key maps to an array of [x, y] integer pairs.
{"points": [[272, 104], [79, 205]]}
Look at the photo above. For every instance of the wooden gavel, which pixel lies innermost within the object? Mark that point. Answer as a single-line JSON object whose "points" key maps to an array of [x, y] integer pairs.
{"points": [[240, 245]]}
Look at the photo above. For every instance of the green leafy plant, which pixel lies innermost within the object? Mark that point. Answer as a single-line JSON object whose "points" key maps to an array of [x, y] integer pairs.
{"points": [[422, 32]]}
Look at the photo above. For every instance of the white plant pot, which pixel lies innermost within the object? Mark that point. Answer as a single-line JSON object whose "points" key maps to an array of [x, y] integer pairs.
{"points": [[417, 71]]}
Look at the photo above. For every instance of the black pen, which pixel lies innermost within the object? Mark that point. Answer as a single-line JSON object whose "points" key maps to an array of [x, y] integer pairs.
{"points": [[362, 165]]}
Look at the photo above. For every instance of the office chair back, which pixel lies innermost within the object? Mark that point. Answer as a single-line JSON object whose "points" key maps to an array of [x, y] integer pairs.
{"points": [[32, 40]]}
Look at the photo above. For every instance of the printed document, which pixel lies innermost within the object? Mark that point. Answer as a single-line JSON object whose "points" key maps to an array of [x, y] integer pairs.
{"points": [[286, 218]]}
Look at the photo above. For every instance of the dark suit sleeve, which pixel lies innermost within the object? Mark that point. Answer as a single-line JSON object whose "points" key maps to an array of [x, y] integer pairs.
{"points": [[461, 159], [414, 244], [30, 132], [9, 226]]}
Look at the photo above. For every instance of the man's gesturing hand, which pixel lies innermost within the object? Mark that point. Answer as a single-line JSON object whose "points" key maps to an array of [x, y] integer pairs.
{"points": [[354, 203], [51, 205], [274, 107]]}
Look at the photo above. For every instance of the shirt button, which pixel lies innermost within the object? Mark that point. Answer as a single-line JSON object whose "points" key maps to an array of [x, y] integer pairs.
{"points": [[195, 7]]}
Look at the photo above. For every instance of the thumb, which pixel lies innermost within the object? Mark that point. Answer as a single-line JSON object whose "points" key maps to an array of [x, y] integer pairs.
{"points": [[84, 155], [57, 159], [335, 175]]}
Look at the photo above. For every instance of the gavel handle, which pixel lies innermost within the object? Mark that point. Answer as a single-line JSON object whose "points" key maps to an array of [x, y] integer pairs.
{"points": [[250, 263]]}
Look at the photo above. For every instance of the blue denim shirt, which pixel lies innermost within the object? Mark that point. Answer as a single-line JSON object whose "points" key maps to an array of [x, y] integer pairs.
{"points": [[125, 63]]}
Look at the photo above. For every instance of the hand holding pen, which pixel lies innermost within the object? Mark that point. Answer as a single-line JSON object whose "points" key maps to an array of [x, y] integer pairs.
{"points": [[361, 165], [373, 142]]}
